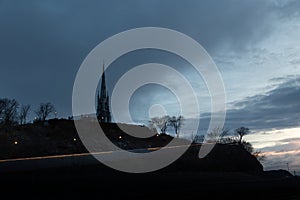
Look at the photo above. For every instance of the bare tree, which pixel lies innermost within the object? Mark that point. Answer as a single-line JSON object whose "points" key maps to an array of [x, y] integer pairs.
{"points": [[247, 146], [176, 122], [241, 132], [44, 110], [161, 123], [217, 135], [259, 156], [2, 106], [23, 113], [198, 139], [8, 111]]}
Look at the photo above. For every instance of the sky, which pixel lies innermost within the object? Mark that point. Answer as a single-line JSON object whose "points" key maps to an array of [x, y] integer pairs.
{"points": [[255, 45]]}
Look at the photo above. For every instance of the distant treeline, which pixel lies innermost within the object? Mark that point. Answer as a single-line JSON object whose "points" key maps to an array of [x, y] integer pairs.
{"points": [[12, 113]]}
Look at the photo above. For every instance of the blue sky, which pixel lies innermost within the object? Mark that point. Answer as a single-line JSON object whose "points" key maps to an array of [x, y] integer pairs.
{"points": [[255, 44]]}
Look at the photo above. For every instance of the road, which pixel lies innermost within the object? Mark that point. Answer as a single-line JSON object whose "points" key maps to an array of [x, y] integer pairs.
{"points": [[68, 160], [80, 176]]}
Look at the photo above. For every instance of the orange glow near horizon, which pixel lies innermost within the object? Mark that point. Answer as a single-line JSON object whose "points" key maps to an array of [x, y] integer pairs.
{"points": [[280, 147], [279, 153]]}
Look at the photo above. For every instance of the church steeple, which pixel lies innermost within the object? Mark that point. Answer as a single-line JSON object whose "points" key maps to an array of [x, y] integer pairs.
{"points": [[103, 84], [103, 111]]}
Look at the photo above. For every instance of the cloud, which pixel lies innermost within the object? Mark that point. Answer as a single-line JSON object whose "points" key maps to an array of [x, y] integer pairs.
{"points": [[278, 108], [280, 147], [44, 42], [282, 153]]}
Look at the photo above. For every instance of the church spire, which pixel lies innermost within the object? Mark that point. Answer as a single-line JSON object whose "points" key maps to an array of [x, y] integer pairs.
{"points": [[103, 83], [103, 110]]}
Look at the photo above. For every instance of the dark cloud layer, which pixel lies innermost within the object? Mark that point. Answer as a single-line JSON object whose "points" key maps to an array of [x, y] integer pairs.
{"points": [[42, 43], [278, 108]]}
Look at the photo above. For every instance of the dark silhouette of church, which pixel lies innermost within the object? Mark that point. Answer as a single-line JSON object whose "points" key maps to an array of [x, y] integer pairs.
{"points": [[103, 110]]}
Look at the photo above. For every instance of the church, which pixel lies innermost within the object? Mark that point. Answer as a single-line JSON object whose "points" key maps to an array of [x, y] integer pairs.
{"points": [[103, 110]]}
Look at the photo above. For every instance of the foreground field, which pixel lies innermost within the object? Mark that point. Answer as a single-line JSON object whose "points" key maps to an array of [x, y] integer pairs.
{"points": [[92, 182]]}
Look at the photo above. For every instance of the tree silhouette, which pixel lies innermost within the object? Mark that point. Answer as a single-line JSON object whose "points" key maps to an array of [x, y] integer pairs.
{"points": [[247, 146], [23, 113], [198, 139], [218, 135], [44, 110], [2, 106], [161, 123], [176, 122], [259, 156], [241, 132], [8, 111]]}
